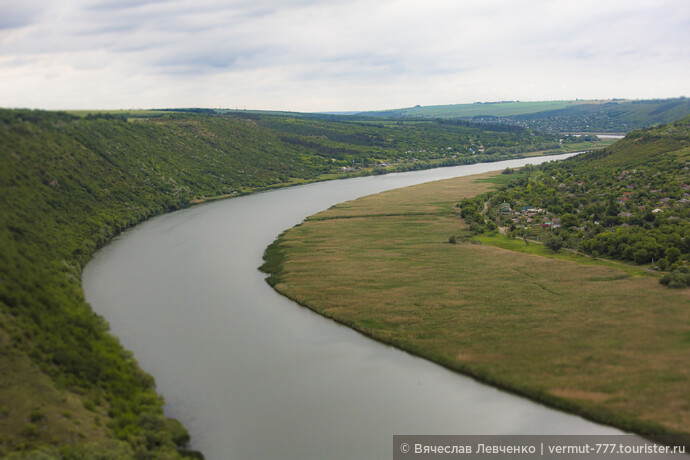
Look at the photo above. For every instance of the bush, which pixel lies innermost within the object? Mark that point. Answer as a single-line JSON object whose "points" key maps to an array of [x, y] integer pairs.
{"points": [[662, 264], [677, 265], [30, 430], [476, 228], [555, 243], [677, 279]]}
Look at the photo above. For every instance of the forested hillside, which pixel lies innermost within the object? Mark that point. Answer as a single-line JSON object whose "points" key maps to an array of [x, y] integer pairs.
{"points": [[559, 116], [69, 184], [630, 202]]}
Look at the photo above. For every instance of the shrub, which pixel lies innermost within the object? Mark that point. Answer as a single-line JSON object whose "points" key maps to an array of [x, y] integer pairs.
{"points": [[662, 264], [555, 243], [30, 430], [678, 280]]}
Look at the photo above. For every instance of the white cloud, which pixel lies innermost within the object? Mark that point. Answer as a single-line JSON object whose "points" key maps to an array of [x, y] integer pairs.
{"points": [[337, 55]]}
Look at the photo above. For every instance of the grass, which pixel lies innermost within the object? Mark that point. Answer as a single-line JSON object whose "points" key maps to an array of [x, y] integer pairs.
{"points": [[535, 248], [573, 332], [34, 411], [471, 110]]}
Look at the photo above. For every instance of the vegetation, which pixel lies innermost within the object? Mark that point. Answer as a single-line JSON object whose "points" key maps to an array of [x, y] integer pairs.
{"points": [[629, 202], [585, 335], [559, 116], [493, 109], [351, 144], [70, 182]]}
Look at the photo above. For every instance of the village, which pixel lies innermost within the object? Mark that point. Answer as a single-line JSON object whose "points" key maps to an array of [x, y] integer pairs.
{"points": [[639, 214]]}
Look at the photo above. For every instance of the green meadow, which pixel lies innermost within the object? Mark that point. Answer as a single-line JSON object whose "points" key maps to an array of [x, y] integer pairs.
{"points": [[584, 335]]}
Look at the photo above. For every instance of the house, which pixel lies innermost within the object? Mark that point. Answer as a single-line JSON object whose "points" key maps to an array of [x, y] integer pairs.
{"points": [[657, 210]]}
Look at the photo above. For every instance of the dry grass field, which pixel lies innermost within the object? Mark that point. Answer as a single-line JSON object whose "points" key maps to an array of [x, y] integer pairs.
{"points": [[587, 338]]}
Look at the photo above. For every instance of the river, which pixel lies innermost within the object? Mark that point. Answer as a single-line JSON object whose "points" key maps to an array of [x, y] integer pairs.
{"points": [[251, 374]]}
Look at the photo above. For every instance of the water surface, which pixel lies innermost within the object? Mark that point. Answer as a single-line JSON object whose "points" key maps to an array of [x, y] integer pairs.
{"points": [[253, 375]]}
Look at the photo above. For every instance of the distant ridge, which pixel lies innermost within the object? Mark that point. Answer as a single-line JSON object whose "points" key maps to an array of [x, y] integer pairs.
{"points": [[614, 115]]}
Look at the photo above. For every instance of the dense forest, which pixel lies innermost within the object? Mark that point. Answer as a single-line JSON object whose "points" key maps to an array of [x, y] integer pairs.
{"points": [[629, 202], [71, 183]]}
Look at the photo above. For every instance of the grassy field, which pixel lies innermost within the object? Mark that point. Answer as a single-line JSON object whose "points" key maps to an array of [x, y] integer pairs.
{"points": [[502, 109], [585, 337]]}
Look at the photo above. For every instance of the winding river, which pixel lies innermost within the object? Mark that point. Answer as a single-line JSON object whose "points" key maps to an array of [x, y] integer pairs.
{"points": [[251, 374]]}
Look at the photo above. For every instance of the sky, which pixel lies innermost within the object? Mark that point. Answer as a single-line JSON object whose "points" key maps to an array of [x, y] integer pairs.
{"points": [[337, 55]]}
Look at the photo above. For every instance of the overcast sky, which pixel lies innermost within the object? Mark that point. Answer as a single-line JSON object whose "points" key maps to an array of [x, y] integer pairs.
{"points": [[332, 55]]}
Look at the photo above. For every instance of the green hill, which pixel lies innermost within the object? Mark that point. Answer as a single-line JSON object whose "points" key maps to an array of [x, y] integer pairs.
{"points": [[70, 183], [597, 335], [630, 201], [495, 109], [559, 116]]}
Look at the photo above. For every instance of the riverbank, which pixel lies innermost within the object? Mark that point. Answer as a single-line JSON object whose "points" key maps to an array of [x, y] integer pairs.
{"points": [[590, 340], [70, 186], [253, 355], [407, 167]]}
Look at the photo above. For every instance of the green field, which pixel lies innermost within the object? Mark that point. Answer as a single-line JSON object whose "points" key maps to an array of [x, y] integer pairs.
{"points": [[498, 109], [592, 116], [583, 336]]}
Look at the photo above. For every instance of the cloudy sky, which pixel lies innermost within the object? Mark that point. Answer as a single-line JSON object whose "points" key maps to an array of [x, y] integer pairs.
{"points": [[337, 55]]}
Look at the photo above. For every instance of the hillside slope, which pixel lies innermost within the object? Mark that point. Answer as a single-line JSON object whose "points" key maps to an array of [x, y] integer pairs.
{"points": [[630, 201], [559, 116], [69, 184]]}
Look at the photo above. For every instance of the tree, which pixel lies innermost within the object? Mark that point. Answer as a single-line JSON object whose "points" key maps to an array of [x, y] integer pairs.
{"points": [[662, 263], [569, 220], [641, 256], [672, 254], [555, 243]]}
